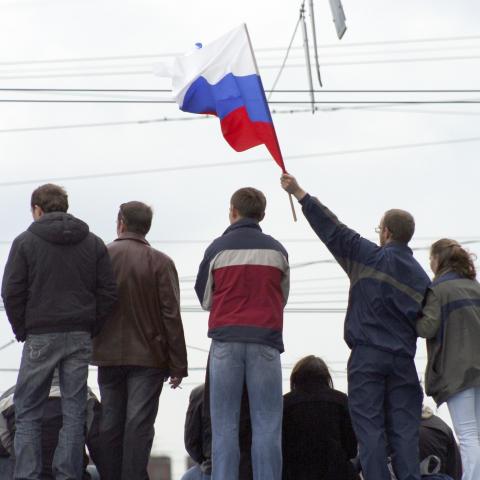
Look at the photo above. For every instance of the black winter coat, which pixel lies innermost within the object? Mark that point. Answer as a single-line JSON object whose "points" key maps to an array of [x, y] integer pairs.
{"points": [[58, 278], [436, 438], [318, 438]]}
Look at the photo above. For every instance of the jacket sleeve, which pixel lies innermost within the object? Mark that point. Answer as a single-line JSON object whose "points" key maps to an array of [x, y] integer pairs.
{"points": [[346, 245], [106, 287], [15, 289], [169, 298], [193, 426], [204, 281], [431, 318]]}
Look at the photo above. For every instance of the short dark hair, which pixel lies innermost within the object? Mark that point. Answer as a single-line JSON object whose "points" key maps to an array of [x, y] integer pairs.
{"points": [[310, 372], [250, 203], [50, 198], [136, 216], [400, 223]]}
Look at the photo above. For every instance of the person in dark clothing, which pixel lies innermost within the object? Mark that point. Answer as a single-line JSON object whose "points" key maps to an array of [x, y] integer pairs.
{"points": [[51, 426], [436, 438], [318, 438], [141, 345], [198, 435], [387, 288], [58, 289]]}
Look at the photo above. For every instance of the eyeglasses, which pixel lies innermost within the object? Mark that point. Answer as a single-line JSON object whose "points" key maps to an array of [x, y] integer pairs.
{"points": [[378, 229]]}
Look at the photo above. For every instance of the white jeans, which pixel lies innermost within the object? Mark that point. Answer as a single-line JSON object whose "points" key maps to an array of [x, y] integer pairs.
{"points": [[464, 409]]}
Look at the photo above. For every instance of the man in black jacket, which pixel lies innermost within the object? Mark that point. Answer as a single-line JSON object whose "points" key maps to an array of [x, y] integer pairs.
{"points": [[58, 288]]}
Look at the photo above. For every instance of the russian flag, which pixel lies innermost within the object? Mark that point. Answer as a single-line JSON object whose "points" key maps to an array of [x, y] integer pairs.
{"points": [[222, 79]]}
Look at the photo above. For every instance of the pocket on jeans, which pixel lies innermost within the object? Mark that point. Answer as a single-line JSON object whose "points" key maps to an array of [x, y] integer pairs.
{"points": [[269, 353], [221, 349], [38, 347]]}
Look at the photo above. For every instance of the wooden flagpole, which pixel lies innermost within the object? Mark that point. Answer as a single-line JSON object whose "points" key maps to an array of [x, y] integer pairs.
{"points": [[258, 73]]}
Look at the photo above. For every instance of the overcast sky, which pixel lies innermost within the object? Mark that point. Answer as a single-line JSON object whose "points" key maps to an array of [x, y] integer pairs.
{"points": [[343, 155]]}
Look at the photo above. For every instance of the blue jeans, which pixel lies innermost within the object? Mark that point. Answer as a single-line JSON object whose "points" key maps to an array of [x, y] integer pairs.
{"points": [[231, 365], [130, 397], [464, 408], [195, 473], [385, 402], [71, 353], [7, 465]]}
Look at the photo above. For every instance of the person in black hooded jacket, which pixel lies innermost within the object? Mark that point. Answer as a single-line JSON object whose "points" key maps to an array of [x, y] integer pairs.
{"points": [[58, 289], [318, 437]]}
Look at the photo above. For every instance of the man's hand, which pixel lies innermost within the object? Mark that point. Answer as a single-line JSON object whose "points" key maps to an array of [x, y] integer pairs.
{"points": [[175, 382], [290, 185]]}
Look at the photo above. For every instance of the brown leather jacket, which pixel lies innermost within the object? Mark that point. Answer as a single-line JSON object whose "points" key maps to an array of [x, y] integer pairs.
{"points": [[146, 326]]}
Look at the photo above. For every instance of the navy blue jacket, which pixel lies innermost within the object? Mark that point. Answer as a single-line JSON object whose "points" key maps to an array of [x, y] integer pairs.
{"points": [[387, 285]]}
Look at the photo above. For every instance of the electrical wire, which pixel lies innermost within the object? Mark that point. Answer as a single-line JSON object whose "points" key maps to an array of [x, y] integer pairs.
{"points": [[277, 78], [273, 102], [342, 45], [167, 90], [262, 67], [106, 124], [11, 342], [198, 166]]}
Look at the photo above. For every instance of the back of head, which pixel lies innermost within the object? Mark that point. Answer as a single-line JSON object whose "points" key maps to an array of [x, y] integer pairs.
{"points": [[136, 216], [50, 198], [451, 256], [250, 203], [309, 373], [401, 225]]}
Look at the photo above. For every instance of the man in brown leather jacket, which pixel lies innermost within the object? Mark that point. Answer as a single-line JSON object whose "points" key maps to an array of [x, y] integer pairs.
{"points": [[140, 346]]}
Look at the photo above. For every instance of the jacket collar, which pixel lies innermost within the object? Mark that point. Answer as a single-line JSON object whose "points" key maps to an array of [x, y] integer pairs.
{"points": [[445, 276], [243, 223], [398, 246], [132, 236]]}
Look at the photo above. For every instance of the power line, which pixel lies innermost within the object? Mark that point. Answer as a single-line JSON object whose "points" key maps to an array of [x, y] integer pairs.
{"points": [[195, 309], [192, 347], [277, 78], [106, 124], [342, 45], [272, 90], [272, 102], [383, 52], [381, 108], [263, 67], [198, 166], [11, 342]]}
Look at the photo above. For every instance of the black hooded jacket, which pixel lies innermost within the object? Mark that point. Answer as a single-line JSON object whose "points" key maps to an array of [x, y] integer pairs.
{"points": [[58, 278]]}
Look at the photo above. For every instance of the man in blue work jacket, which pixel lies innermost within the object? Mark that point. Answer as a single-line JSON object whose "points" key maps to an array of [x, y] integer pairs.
{"points": [[387, 286]]}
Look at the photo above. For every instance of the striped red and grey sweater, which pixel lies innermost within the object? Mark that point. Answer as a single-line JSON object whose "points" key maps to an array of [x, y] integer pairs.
{"points": [[244, 281]]}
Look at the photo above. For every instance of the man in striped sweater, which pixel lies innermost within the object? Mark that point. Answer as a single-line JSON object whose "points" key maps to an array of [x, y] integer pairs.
{"points": [[243, 281]]}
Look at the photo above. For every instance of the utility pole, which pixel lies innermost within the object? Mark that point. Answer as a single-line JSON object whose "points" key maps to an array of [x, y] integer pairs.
{"points": [[307, 55], [314, 39]]}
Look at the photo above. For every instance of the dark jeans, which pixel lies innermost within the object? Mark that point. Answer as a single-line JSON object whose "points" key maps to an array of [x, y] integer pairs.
{"points": [[385, 401], [71, 353], [130, 397], [7, 465]]}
